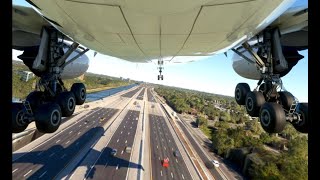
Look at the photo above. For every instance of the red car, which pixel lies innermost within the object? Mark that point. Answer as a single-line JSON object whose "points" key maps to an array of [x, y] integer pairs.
{"points": [[165, 162]]}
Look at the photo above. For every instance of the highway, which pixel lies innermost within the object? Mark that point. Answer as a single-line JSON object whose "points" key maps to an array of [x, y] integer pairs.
{"points": [[140, 96], [201, 153], [109, 167], [162, 146], [60, 149], [81, 148]]}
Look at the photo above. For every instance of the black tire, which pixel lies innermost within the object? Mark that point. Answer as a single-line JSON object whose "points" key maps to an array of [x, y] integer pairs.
{"points": [[302, 126], [241, 92], [18, 123], [272, 117], [48, 117], [158, 77], [79, 91], [286, 99], [67, 103], [254, 101], [161, 77], [35, 99]]}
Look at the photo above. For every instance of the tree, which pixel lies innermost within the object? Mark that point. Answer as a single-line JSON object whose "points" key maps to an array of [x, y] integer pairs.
{"points": [[268, 170]]}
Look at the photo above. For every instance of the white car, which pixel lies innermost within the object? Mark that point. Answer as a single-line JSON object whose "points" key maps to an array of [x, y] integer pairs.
{"points": [[215, 163]]}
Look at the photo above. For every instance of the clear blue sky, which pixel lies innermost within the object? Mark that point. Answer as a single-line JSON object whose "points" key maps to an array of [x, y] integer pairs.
{"points": [[212, 74]]}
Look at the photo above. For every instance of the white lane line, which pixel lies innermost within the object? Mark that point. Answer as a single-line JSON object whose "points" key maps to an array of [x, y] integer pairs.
{"points": [[128, 133], [124, 126], [169, 140], [121, 132], [161, 173], [63, 156], [43, 175], [182, 176], [118, 140], [51, 154], [14, 170], [162, 139], [67, 142], [159, 158], [79, 132], [176, 160], [165, 148], [58, 141], [117, 167], [172, 149], [125, 142], [70, 132], [131, 127], [87, 126], [121, 152], [27, 173], [94, 121], [171, 175], [157, 146], [80, 125]]}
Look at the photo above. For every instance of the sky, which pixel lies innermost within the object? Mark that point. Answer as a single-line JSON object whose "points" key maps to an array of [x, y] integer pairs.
{"points": [[212, 74]]}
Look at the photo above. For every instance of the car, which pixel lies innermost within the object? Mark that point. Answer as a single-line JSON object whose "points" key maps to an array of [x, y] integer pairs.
{"points": [[176, 153], [114, 152], [215, 163], [128, 149]]}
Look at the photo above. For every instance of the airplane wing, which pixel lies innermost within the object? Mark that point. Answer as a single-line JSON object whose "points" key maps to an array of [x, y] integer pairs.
{"points": [[144, 30]]}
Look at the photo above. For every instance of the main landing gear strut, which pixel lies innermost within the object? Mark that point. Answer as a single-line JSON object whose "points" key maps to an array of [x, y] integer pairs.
{"points": [[269, 100], [51, 100]]}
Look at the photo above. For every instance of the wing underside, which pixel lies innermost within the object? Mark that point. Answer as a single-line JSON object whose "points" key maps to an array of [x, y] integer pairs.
{"points": [[142, 30]]}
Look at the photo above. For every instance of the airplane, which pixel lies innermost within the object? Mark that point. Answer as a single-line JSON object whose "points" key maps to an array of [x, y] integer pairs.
{"points": [[265, 37]]}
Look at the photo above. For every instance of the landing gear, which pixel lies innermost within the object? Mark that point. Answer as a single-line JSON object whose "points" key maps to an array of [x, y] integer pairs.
{"points": [[160, 63], [269, 100], [51, 100], [48, 117], [19, 123]]}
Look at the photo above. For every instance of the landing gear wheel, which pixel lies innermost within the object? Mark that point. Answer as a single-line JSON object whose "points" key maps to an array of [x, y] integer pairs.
{"points": [[35, 99], [241, 92], [18, 123], [302, 126], [161, 77], [254, 101], [158, 77], [79, 91], [67, 102], [272, 117], [286, 99], [48, 117]]}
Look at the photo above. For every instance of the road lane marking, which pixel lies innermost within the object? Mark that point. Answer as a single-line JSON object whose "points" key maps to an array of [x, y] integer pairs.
{"points": [[58, 141], [176, 160], [80, 125], [131, 127], [51, 154], [128, 133], [121, 132], [79, 132], [43, 175], [157, 146], [171, 175], [118, 140], [117, 167], [70, 132], [169, 140], [165, 148], [125, 142], [63, 156], [182, 176], [161, 173], [67, 142], [121, 152], [14, 170], [27, 173], [87, 126], [172, 149]]}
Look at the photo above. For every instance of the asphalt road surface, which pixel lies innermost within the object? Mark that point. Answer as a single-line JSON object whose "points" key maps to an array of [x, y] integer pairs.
{"points": [[131, 93], [49, 158], [116, 167], [141, 94], [203, 157]]}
